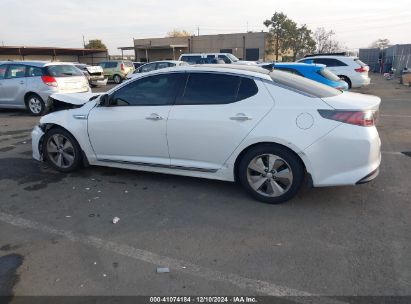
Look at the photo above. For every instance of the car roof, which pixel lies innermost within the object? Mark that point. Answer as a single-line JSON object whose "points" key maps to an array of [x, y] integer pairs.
{"points": [[331, 56], [172, 61], [240, 70], [38, 63]]}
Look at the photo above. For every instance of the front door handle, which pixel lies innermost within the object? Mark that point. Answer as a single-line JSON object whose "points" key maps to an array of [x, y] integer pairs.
{"points": [[154, 116], [241, 117]]}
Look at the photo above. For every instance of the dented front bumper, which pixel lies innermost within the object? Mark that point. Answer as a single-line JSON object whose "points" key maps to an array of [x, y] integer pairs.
{"points": [[36, 143]]}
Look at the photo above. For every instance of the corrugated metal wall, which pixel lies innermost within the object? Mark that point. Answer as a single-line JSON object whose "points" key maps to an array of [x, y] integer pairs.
{"points": [[397, 56], [370, 57]]}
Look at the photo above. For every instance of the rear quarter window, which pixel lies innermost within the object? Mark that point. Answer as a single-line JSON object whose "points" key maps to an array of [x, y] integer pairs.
{"points": [[63, 71], [303, 85]]}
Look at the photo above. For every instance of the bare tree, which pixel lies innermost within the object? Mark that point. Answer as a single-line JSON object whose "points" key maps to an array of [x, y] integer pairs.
{"points": [[325, 42], [381, 43], [179, 33]]}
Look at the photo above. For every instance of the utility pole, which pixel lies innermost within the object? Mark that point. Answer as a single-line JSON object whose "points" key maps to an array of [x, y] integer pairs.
{"points": [[198, 30], [84, 42], [247, 26]]}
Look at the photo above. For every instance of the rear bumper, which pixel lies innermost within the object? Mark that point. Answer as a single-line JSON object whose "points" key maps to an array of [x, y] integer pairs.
{"points": [[36, 143], [346, 156], [359, 81], [369, 177], [99, 82]]}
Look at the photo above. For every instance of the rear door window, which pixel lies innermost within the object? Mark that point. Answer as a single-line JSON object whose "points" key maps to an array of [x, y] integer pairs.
{"points": [[62, 70], [247, 89], [3, 70], [191, 59], [111, 65], [16, 71], [225, 58], [329, 62], [148, 67], [208, 88], [162, 65], [34, 71]]}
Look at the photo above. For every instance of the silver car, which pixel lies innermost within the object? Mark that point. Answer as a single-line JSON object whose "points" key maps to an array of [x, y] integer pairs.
{"points": [[28, 85]]}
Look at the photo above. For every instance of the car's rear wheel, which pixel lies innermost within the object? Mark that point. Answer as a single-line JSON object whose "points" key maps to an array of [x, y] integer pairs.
{"points": [[35, 104], [61, 150], [271, 173], [347, 80], [117, 79]]}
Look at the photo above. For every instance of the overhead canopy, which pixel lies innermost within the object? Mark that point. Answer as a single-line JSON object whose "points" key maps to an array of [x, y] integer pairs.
{"points": [[31, 50], [161, 47]]}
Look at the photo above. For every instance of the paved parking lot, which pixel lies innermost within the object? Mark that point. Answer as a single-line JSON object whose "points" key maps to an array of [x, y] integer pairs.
{"points": [[57, 238]]}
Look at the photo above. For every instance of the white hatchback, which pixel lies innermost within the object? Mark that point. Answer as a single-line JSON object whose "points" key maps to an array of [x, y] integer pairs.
{"points": [[350, 69], [267, 130]]}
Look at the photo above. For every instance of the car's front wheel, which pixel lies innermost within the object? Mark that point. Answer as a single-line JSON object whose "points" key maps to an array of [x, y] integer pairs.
{"points": [[271, 173], [61, 150]]}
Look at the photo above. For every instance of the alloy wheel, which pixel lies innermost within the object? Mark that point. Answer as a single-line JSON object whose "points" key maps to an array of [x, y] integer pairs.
{"points": [[269, 175], [60, 151], [35, 105]]}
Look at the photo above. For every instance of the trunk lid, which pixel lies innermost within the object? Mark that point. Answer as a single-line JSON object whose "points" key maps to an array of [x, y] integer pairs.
{"points": [[72, 84], [353, 101]]}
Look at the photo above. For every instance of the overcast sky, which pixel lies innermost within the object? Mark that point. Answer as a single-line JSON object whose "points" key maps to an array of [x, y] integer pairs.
{"points": [[62, 23]]}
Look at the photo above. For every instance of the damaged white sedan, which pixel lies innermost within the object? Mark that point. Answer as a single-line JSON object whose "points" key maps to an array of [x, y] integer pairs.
{"points": [[267, 130]]}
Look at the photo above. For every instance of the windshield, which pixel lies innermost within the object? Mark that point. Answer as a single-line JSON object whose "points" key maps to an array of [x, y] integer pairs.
{"points": [[303, 85], [232, 57], [326, 73]]}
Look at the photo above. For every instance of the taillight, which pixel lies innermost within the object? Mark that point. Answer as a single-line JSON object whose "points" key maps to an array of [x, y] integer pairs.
{"points": [[361, 69], [359, 118], [49, 80], [122, 67]]}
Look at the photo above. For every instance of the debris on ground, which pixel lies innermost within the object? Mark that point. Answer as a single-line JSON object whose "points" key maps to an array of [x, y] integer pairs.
{"points": [[104, 275], [87, 189], [125, 191], [163, 269], [95, 198], [95, 263], [68, 216], [116, 220]]}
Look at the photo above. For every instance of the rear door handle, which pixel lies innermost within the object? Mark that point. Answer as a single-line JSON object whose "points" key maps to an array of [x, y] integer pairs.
{"points": [[154, 116], [241, 117]]}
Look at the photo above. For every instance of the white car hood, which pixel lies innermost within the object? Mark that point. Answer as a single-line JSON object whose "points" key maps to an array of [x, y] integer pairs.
{"points": [[74, 98]]}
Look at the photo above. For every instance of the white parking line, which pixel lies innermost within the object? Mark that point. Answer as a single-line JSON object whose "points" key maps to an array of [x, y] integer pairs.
{"points": [[257, 286], [399, 116]]}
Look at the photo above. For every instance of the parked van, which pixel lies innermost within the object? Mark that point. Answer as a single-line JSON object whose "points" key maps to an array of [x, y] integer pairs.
{"points": [[206, 58]]}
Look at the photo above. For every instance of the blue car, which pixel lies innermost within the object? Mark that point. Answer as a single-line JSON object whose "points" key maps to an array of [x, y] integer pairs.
{"points": [[316, 72]]}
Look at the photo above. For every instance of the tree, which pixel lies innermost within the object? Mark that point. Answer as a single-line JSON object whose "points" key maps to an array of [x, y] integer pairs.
{"points": [[380, 43], [95, 44], [179, 33], [325, 42], [300, 40], [279, 26]]}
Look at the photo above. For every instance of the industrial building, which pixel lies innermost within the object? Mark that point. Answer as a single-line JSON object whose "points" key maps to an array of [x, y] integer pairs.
{"points": [[89, 56], [245, 46], [396, 57]]}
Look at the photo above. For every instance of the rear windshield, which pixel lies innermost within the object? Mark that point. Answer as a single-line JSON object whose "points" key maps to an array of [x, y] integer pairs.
{"points": [[360, 62], [303, 85], [63, 70], [326, 73]]}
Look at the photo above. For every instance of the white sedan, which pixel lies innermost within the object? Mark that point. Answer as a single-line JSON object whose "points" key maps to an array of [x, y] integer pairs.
{"points": [[267, 130]]}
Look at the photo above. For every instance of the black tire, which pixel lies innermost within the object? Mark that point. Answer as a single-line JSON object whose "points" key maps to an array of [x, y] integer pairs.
{"points": [[35, 105], [117, 79], [347, 80], [287, 160], [52, 157]]}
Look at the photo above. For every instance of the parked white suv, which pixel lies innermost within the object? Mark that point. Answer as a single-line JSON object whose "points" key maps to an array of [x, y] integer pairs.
{"points": [[350, 69], [207, 58]]}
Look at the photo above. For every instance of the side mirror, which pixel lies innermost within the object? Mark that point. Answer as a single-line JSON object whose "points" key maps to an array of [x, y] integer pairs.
{"points": [[104, 100]]}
